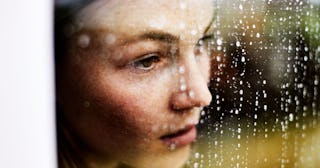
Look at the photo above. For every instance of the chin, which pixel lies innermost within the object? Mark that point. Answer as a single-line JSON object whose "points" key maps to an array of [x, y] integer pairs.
{"points": [[169, 159]]}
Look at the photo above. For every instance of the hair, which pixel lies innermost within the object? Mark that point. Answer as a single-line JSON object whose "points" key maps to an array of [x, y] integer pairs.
{"points": [[65, 12]]}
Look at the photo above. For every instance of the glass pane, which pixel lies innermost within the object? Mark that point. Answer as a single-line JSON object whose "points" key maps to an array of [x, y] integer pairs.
{"points": [[265, 87], [131, 79]]}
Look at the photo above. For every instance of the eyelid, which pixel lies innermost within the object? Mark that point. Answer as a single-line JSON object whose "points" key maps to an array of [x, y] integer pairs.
{"points": [[145, 56], [139, 60]]}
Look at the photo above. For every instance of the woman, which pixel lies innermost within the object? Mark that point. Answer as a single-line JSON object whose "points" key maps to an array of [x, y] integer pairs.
{"points": [[131, 81]]}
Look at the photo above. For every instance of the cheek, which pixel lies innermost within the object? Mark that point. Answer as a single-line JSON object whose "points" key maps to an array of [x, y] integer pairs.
{"points": [[111, 120], [134, 105], [119, 107]]}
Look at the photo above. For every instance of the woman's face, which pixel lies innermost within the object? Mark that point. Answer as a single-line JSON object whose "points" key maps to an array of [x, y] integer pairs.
{"points": [[135, 80]]}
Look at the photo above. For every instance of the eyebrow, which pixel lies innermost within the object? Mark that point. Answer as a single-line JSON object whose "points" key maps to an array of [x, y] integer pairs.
{"points": [[159, 36]]}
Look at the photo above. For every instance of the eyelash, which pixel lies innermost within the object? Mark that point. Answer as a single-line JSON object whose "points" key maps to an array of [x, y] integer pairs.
{"points": [[203, 44], [150, 61]]}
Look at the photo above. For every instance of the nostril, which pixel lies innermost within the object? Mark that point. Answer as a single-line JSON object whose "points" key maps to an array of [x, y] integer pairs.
{"points": [[181, 101], [192, 90]]}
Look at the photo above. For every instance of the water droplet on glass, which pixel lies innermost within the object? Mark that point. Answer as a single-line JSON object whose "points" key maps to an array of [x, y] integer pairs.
{"points": [[172, 146], [83, 41], [240, 7], [183, 5], [110, 38], [191, 94], [183, 87], [181, 69], [219, 41], [238, 44]]}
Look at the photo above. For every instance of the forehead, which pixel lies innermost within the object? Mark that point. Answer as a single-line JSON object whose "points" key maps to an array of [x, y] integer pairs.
{"points": [[134, 16]]}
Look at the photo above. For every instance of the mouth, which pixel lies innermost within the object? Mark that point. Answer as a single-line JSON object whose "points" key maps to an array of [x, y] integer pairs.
{"points": [[181, 138]]}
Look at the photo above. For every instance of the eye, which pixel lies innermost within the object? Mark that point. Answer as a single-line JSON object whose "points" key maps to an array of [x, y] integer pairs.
{"points": [[147, 62]]}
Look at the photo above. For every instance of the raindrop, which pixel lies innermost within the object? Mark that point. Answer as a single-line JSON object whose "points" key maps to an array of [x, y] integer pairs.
{"points": [[181, 70], [183, 87], [191, 94], [238, 44], [219, 41], [172, 146], [183, 5], [258, 35], [182, 25], [110, 38], [240, 7], [194, 32], [83, 41]]}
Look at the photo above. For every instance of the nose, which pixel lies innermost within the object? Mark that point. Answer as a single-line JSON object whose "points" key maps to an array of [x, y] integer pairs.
{"points": [[193, 90]]}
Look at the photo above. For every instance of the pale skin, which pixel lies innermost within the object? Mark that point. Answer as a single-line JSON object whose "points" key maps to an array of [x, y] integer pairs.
{"points": [[137, 71]]}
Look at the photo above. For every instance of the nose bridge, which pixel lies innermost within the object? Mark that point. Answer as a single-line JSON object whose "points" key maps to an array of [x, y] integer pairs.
{"points": [[196, 81], [193, 89]]}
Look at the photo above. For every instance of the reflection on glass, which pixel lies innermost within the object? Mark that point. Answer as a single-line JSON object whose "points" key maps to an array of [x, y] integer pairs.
{"points": [[132, 81]]}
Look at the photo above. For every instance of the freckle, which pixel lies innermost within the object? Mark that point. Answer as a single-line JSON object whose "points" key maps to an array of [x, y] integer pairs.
{"points": [[86, 104], [191, 94], [83, 41], [110, 38]]}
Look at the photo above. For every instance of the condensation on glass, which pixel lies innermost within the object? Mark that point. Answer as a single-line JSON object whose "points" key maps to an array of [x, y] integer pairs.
{"points": [[266, 104]]}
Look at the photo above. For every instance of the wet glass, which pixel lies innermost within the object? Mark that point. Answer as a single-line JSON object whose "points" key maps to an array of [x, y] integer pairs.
{"points": [[265, 71], [265, 109]]}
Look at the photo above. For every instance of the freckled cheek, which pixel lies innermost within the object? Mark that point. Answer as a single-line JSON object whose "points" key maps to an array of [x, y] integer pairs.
{"points": [[134, 107], [129, 116]]}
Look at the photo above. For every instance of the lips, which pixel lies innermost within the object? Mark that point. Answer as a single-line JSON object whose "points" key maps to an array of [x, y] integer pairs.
{"points": [[182, 137]]}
